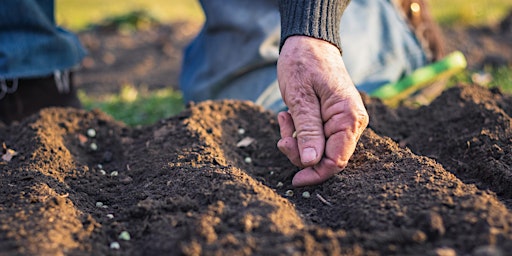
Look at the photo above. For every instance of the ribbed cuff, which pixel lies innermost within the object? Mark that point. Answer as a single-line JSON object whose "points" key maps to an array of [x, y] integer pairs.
{"points": [[315, 18]]}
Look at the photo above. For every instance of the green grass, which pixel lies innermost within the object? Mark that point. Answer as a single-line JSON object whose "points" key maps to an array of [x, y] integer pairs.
{"points": [[489, 77], [79, 14], [474, 13], [137, 106]]}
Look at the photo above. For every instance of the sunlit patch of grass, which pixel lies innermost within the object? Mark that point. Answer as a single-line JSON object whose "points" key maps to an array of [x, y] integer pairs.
{"points": [[474, 13], [137, 107], [489, 77], [79, 14]]}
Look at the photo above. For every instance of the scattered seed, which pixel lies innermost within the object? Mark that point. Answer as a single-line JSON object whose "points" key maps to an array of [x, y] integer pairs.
{"points": [[91, 133], [321, 198], [100, 166], [288, 193], [124, 236], [279, 184], [241, 131], [306, 194], [114, 173], [103, 172], [245, 142], [99, 204], [248, 160], [294, 135], [93, 146], [110, 216], [115, 246], [271, 172], [104, 206]]}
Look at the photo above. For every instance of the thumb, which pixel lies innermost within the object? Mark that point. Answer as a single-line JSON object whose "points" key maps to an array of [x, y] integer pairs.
{"points": [[309, 129]]}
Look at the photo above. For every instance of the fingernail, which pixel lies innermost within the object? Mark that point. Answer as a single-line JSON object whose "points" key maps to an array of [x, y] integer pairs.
{"points": [[308, 155]]}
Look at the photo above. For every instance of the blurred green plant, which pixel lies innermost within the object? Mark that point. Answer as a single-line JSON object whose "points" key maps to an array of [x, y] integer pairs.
{"points": [[129, 22], [489, 77], [137, 106]]}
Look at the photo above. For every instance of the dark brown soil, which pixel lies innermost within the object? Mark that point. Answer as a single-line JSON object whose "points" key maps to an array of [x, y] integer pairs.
{"points": [[184, 187]]}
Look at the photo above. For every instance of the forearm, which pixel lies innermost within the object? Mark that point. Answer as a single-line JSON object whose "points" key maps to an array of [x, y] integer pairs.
{"points": [[315, 18]]}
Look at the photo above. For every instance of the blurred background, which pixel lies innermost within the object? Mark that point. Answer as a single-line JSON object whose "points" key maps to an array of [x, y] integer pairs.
{"points": [[135, 49]]}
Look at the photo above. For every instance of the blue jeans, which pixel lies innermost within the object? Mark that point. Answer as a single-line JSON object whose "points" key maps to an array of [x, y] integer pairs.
{"points": [[31, 45], [235, 54]]}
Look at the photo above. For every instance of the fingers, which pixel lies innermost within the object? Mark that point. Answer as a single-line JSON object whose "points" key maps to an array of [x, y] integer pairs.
{"points": [[339, 148], [306, 116], [343, 131], [288, 144], [316, 174]]}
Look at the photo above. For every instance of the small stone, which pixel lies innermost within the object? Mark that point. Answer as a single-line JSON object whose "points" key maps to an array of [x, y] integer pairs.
{"points": [[306, 194], [110, 216], [279, 184], [103, 172], [115, 246], [271, 173], [124, 236], [445, 252], [99, 204], [288, 193], [93, 146], [241, 131], [248, 160], [100, 166], [114, 173], [91, 133]]}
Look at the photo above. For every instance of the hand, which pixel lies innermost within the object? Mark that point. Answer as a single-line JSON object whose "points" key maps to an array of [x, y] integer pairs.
{"points": [[325, 109]]}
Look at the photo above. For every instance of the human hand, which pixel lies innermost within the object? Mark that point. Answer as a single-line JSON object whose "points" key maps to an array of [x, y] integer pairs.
{"points": [[325, 109]]}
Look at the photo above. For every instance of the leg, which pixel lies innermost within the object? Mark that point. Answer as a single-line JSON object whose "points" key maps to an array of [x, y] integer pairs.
{"points": [[234, 55], [35, 55]]}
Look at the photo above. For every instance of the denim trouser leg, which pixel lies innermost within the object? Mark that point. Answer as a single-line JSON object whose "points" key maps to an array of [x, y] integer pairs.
{"points": [[31, 45], [235, 54]]}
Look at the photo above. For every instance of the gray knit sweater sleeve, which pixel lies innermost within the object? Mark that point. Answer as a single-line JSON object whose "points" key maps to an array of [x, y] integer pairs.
{"points": [[315, 18]]}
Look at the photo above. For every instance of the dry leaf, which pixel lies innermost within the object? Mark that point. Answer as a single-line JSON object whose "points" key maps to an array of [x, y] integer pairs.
{"points": [[245, 142]]}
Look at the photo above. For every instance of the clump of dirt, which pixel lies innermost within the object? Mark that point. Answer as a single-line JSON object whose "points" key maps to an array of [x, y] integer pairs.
{"points": [[431, 181]]}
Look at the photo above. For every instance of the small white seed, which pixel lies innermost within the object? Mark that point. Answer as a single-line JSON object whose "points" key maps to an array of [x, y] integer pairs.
{"points": [[91, 133], [103, 172], [248, 160], [115, 246], [294, 135], [271, 172], [110, 216], [93, 146], [306, 194], [241, 131], [99, 204], [114, 173], [100, 166], [279, 184], [125, 236], [288, 193]]}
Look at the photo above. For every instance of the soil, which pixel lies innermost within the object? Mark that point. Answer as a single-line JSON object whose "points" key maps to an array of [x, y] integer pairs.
{"points": [[433, 180]]}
